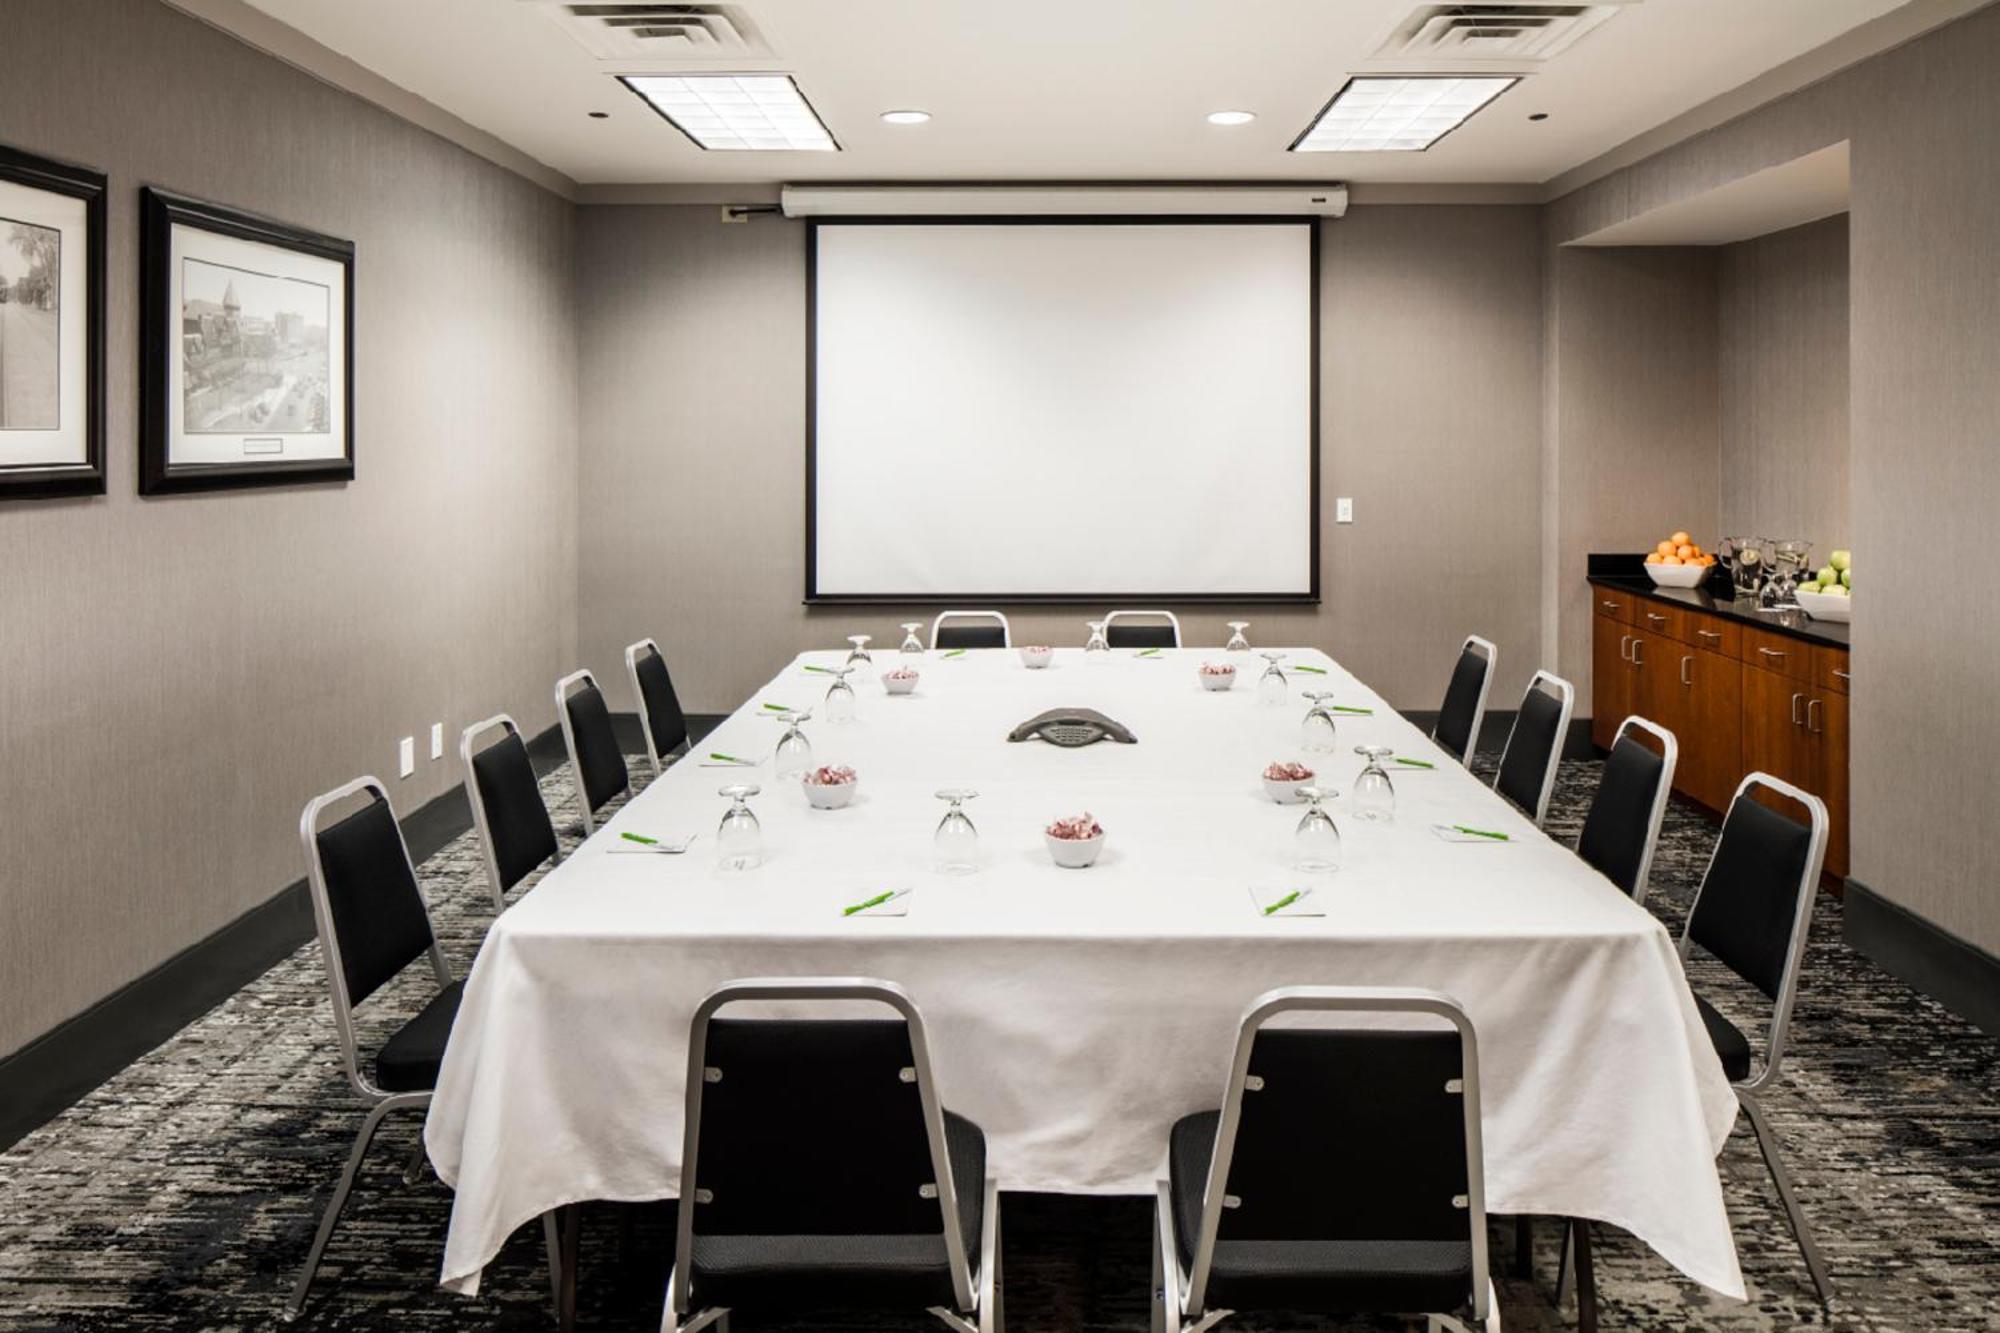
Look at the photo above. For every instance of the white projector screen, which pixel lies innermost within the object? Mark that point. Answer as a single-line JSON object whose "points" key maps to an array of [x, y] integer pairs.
{"points": [[1060, 411]]}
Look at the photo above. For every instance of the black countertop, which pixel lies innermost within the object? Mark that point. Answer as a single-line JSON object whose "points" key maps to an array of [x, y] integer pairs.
{"points": [[1627, 574]]}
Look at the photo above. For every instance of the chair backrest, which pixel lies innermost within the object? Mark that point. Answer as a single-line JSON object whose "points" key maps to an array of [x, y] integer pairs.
{"points": [[515, 834], [1464, 708], [367, 906], [1755, 903], [1346, 1133], [661, 720], [816, 1126], [1120, 632], [1622, 826], [592, 743], [1534, 744], [971, 629]]}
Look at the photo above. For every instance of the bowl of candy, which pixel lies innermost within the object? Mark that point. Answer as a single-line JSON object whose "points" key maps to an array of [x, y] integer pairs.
{"points": [[1283, 779], [1036, 656], [901, 680], [1074, 842], [1217, 676], [829, 787]]}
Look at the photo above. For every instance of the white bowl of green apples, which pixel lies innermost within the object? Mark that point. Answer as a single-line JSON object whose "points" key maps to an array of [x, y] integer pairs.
{"points": [[1829, 593]]}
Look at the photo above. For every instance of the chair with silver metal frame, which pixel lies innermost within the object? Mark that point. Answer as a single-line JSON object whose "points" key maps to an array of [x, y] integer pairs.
{"points": [[1128, 635], [971, 629], [373, 921], [1622, 827], [1464, 709], [820, 1171], [594, 756], [1343, 1174], [1527, 773], [662, 724], [516, 837]]}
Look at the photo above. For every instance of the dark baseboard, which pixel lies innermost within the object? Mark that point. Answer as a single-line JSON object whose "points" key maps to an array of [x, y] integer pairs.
{"points": [[1962, 977], [1493, 729], [62, 1066]]}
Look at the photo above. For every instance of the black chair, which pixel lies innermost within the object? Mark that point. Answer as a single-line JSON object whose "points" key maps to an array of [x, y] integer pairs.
{"points": [[971, 629], [594, 756], [515, 835], [819, 1171], [1343, 1174], [1622, 827], [1119, 632], [661, 720], [1527, 774], [1464, 708]]}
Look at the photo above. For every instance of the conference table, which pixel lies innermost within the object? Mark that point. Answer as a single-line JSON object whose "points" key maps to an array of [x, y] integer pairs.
{"points": [[1076, 1014]]}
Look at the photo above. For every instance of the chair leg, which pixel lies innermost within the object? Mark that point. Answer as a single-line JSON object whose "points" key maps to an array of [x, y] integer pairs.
{"points": [[413, 1170], [334, 1205], [572, 1225], [1159, 1310], [1586, 1276], [992, 1314], [1524, 1247], [552, 1241], [1767, 1142]]}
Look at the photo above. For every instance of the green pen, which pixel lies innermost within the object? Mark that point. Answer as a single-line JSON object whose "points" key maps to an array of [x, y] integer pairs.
{"points": [[1317, 671], [876, 901], [730, 759], [640, 838], [1148, 652], [956, 652], [1344, 708], [1415, 763], [824, 671], [780, 708], [1284, 902], [1482, 833]]}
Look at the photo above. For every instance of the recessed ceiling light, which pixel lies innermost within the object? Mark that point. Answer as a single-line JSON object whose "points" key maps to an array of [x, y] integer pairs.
{"points": [[1372, 115], [1231, 117], [736, 112], [906, 117], [1539, 115]]}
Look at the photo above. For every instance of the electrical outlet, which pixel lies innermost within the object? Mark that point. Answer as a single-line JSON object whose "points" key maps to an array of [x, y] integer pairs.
{"points": [[437, 740], [1343, 510], [406, 756]]}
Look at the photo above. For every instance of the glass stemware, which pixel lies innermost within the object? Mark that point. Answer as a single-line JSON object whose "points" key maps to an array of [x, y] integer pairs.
{"points": [[840, 697], [1316, 841], [1790, 562], [912, 645], [795, 752], [1318, 727], [858, 655], [1097, 643], [1272, 688], [1237, 643], [739, 842], [956, 841], [1374, 794]]}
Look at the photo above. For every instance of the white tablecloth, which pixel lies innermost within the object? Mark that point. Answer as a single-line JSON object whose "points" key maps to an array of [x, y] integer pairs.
{"points": [[1076, 1014]]}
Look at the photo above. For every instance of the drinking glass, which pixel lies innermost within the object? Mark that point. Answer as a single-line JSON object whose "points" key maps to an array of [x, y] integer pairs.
{"points": [[1316, 841], [739, 843], [1790, 562], [956, 841], [1097, 643], [840, 697], [1271, 686], [858, 655], [1318, 727], [1749, 565], [1237, 643], [1374, 794], [795, 752], [912, 645]]}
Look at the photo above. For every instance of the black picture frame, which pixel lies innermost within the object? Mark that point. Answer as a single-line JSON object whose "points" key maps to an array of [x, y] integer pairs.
{"points": [[814, 597], [40, 481], [159, 213]]}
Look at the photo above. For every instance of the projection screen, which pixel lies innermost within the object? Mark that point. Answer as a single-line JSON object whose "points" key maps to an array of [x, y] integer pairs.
{"points": [[1062, 410]]}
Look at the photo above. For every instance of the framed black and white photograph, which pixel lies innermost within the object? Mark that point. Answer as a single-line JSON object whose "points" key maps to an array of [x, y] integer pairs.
{"points": [[51, 328], [246, 350]]}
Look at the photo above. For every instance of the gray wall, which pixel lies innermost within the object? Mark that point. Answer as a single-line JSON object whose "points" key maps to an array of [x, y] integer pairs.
{"points": [[1783, 365], [177, 676], [693, 400], [1921, 122]]}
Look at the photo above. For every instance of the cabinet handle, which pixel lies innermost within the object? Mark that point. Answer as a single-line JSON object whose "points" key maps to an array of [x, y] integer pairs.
{"points": [[1810, 705], [1657, 620], [1637, 644], [1709, 634], [1797, 721], [1610, 606], [1686, 662], [1842, 674], [1624, 647], [1772, 652]]}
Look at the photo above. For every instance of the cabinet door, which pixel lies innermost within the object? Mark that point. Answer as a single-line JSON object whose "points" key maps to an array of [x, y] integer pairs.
{"points": [[1610, 677], [1775, 740], [1706, 717], [1829, 718]]}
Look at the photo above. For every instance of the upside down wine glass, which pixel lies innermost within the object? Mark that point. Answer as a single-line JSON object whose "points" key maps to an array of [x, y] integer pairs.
{"points": [[912, 645], [1374, 795], [1316, 841], [795, 752], [1237, 643], [739, 842], [1318, 728], [1097, 643], [1272, 688], [956, 841], [858, 655], [840, 697]]}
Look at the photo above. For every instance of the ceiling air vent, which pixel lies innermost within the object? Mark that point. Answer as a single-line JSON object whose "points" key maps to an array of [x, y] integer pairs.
{"points": [[1495, 31], [632, 31]]}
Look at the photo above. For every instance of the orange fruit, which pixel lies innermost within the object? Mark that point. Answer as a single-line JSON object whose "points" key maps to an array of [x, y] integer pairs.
{"points": [[1672, 560], [1665, 548], [1682, 539], [1654, 557], [1686, 552]]}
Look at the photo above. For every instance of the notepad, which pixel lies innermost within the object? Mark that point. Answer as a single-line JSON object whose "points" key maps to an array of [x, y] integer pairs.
{"points": [[896, 904], [659, 847], [1450, 834], [1265, 898]]}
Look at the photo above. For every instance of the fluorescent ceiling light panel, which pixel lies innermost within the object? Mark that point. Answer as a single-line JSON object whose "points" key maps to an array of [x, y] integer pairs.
{"points": [[1376, 115], [736, 112]]}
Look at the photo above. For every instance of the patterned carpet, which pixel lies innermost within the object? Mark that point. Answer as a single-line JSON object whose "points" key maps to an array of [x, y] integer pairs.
{"points": [[183, 1194]]}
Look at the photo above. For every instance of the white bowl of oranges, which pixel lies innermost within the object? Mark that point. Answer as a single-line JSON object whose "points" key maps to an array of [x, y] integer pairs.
{"points": [[1678, 562]]}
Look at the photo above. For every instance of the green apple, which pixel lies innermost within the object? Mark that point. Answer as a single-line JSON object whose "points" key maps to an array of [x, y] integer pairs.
{"points": [[1840, 559], [1838, 590], [1809, 586], [1828, 574], [1846, 579]]}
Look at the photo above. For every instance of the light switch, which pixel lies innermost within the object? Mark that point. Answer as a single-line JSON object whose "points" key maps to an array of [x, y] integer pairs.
{"points": [[1343, 510], [406, 757], [437, 740]]}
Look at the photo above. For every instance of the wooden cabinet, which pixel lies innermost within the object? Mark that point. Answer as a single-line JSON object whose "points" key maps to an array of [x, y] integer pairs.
{"points": [[1739, 698]]}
